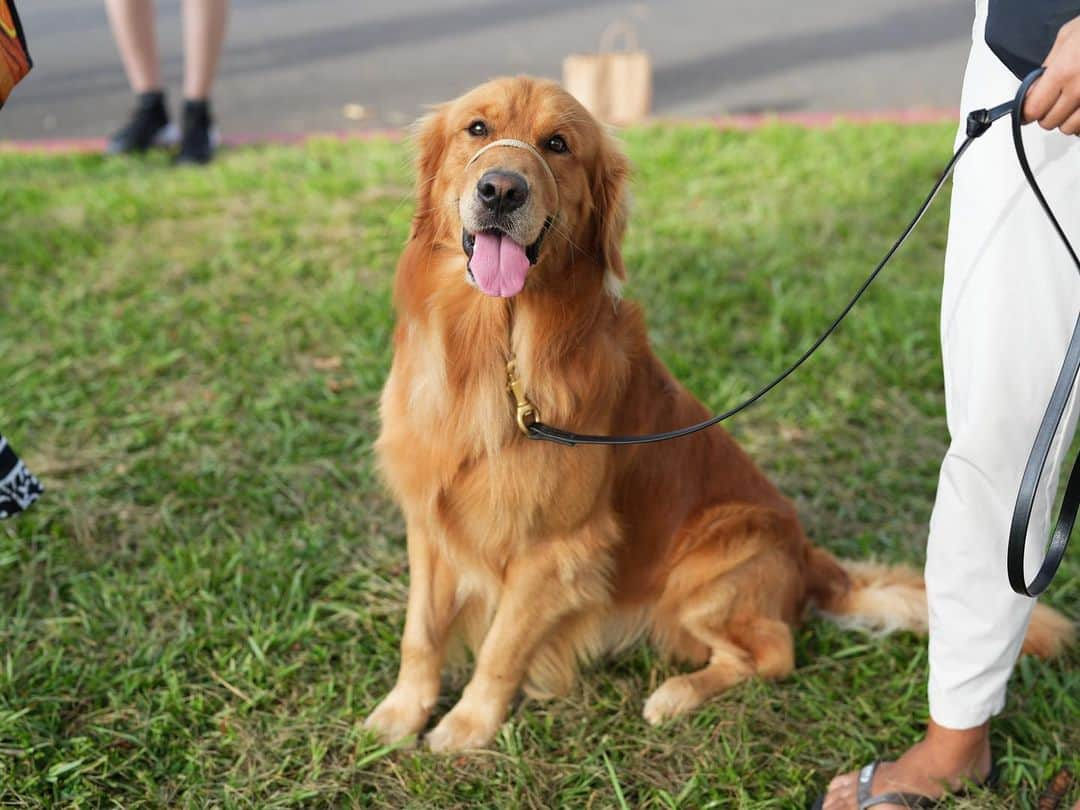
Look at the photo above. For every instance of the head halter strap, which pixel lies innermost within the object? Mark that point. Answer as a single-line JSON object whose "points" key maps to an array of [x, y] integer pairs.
{"points": [[514, 143]]}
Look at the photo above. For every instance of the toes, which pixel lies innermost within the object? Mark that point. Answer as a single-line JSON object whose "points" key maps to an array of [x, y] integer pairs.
{"points": [[842, 793], [844, 780], [674, 697]]}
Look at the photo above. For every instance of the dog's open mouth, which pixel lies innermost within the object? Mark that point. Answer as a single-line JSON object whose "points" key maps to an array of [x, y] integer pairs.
{"points": [[497, 263]]}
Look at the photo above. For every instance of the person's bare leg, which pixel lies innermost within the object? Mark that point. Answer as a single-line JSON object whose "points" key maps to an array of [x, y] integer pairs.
{"points": [[132, 23], [204, 34], [945, 759]]}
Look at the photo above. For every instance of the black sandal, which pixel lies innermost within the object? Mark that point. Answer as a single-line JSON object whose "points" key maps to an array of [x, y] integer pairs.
{"points": [[912, 800]]}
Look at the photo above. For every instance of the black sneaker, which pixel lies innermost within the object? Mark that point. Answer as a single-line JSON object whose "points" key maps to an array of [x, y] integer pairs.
{"points": [[148, 126], [198, 139]]}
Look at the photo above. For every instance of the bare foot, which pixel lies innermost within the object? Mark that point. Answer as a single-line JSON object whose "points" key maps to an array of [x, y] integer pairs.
{"points": [[945, 760]]}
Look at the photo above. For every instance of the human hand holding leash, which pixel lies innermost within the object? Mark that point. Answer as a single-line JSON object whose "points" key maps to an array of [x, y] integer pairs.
{"points": [[1054, 100]]}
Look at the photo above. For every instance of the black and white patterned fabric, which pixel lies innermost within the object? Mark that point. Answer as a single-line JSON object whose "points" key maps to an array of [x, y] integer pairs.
{"points": [[18, 487]]}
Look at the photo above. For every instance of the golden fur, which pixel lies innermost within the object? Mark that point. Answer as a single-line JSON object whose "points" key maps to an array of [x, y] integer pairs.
{"points": [[540, 556]]}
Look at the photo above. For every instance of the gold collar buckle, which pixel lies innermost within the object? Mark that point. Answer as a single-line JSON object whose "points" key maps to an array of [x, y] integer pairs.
{"points": [[527, 415]]}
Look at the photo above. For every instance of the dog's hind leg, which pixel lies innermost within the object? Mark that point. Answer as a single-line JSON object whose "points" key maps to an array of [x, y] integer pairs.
{"points": [[758, 647], [702, 625], [719, 623]]}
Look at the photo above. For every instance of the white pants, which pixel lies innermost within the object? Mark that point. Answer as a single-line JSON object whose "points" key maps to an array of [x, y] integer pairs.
{"points": [[1009, 304]]}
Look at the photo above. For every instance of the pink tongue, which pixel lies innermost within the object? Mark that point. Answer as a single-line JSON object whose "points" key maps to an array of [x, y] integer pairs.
{"points": [[499, 264]]}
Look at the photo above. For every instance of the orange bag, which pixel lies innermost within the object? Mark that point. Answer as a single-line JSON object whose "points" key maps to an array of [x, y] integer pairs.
{"points": [[14, 57]]}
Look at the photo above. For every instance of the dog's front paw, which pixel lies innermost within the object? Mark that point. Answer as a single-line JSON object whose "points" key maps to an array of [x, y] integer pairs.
{"points": [[401, 714], [461, 730], [675, 696]]}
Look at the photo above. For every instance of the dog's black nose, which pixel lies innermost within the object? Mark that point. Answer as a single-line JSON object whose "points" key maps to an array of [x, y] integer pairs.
{"points": [[502, 192]]}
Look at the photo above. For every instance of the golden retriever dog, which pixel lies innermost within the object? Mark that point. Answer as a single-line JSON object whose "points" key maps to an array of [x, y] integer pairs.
{"points": [[539, 556]]}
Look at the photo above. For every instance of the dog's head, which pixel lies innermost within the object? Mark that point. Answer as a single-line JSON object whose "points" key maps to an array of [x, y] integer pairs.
{"points": [[521, 179]]}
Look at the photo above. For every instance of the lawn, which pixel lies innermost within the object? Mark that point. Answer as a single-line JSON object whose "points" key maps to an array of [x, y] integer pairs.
{"points": [[207, 602]]}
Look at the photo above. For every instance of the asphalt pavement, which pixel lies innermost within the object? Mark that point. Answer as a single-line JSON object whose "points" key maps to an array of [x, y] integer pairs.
{"points": [[295, 66]]}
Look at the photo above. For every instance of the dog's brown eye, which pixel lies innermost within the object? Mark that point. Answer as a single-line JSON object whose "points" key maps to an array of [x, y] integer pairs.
{"points": [[557, 143], [478, 129]]}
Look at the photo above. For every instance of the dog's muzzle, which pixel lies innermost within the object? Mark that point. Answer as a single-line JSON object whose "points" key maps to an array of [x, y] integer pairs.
{"points": [[498, 257]]}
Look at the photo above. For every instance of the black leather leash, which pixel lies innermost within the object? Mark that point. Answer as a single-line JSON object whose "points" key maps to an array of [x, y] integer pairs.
{"points": [[1055, 410], [978, 122]]}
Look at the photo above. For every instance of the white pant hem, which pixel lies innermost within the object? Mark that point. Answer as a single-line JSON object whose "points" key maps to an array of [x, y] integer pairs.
{"points": [[952, 715]]}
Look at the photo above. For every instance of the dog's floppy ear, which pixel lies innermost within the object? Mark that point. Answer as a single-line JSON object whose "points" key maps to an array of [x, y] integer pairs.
{"points": [[430, 140], [610, 176]]}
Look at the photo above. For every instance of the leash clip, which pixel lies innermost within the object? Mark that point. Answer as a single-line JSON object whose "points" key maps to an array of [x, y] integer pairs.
{"points": [[527, 415], [978, 121]]}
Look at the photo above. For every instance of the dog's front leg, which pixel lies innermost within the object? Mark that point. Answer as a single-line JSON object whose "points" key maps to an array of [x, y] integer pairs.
{"points": [[549, 582], [430, 612]]}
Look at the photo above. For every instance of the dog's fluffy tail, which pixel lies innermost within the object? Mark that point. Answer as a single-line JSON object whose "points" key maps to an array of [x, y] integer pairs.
{"points": [[885, 598]]}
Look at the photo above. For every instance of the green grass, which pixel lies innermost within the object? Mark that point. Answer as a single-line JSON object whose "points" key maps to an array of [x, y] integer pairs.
{"points": [[208, 600]]}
